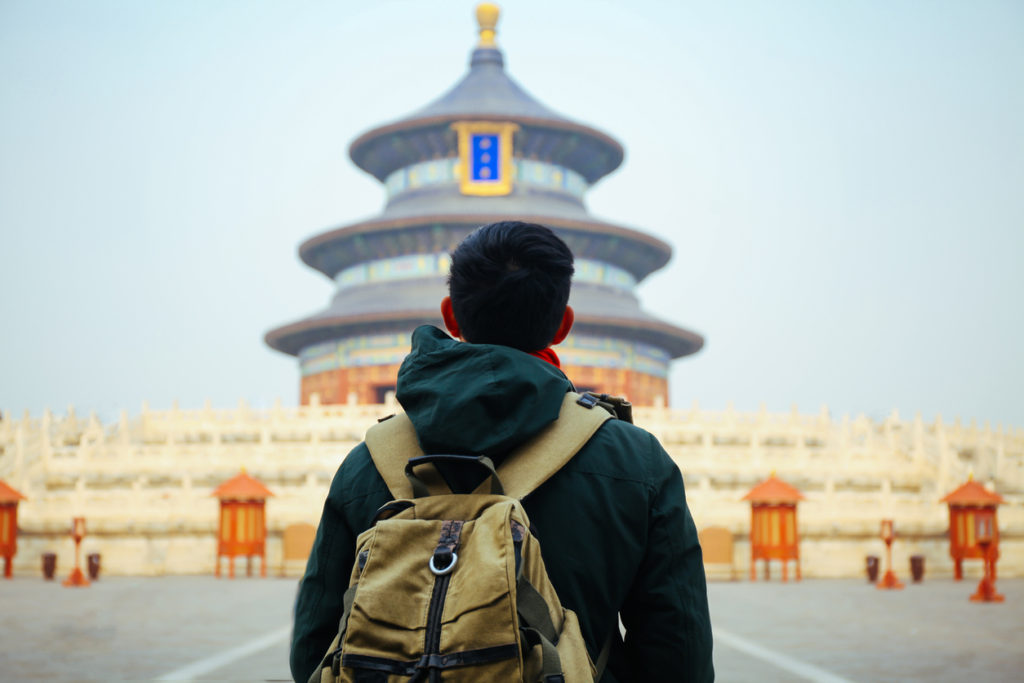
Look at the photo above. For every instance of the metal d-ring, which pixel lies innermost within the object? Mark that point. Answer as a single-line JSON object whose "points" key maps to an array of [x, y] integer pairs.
{"points": [[446, 570]]}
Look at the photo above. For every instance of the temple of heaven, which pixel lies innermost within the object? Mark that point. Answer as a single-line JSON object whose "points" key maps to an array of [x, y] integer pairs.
{"points": [[484, 151]]}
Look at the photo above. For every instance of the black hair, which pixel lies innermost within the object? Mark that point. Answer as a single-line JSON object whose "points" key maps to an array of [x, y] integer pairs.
{"points": [[509, 285]]}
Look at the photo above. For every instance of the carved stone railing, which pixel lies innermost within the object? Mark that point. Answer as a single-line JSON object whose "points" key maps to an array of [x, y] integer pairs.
{"points": [[151, 474]]}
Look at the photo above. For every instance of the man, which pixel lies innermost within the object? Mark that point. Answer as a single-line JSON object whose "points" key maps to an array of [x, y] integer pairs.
{"points": [[615, 532]]}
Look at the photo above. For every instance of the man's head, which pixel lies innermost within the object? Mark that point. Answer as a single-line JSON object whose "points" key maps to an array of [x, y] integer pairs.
{"points": [[509, 285]]}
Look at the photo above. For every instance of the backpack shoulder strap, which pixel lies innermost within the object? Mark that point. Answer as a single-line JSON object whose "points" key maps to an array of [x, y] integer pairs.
{"points": [[538, 459], [391, 443]]}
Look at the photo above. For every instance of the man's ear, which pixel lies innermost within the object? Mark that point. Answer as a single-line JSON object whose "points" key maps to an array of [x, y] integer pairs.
{"points": [[448, 313], [568, 318]]}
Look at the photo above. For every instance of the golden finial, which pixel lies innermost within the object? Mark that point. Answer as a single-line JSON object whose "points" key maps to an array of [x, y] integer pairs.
{"points": [[487, 16], [970, 474]]}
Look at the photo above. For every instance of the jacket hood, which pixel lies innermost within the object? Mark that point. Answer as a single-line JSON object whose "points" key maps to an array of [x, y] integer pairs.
{"points": [[476, 399]]}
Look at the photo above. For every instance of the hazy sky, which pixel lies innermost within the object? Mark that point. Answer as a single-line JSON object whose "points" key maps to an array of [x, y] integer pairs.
{"points": [[842, 183]]}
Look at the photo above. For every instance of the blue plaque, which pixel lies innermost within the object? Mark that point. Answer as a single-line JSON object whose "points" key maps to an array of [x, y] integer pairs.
{"points": [[485, 157]]}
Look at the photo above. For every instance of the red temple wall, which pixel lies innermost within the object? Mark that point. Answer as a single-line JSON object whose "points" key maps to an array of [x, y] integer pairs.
{"points": [[370, 382]]}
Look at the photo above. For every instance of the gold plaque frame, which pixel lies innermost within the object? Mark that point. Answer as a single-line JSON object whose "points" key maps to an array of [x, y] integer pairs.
{"points": [[486, 188]]}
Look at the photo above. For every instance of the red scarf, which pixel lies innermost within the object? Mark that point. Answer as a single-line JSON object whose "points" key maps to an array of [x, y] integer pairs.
{"points": [[549, 356]]}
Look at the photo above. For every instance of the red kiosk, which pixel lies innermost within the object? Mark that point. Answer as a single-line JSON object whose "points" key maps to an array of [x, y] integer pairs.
{"points": [[243, 526], [9, 499], [773, 530], [970, 505]]}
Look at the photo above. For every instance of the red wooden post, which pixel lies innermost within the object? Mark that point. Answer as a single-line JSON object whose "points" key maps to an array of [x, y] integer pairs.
{"points": [[9, 499], [77, 577], [985, 534], [888, 535], [243, 527], [970, 504], [773, 527]]}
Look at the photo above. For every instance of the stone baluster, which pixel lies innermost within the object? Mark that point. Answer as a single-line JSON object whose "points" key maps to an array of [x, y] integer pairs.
{"points": [[889, 431], [1000, 454], [843, 447], [46, 441], [707, 438], [869, 437], [801, 455], [144, 425], [918, 446], [887, 497], [123, 429], [945, 456], [78, 498], [985, 450], [19, 456], [757, 434]]}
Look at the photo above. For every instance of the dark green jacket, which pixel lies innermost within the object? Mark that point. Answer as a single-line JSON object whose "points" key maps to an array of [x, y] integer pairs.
{"points": [[614, 528]]}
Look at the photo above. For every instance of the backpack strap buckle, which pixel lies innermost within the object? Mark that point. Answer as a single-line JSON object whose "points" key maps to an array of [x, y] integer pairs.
{"points": [[448, 558], [444, 558]]}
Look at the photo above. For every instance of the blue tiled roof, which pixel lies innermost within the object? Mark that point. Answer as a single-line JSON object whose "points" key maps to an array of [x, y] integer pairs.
{"points": [[487, 89]]}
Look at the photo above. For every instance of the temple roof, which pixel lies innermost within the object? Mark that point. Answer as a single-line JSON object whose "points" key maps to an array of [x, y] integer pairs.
{"points": [[773, 490], [972, 493], [487, 89], [242, 487], [486, 92], [385, 237], [405, 304], [9, 494]]}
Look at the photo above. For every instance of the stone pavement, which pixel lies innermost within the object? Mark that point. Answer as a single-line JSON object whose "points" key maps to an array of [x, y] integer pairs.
{"points": [[202, 628]]}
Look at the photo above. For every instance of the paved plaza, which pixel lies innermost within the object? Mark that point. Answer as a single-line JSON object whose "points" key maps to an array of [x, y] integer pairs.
{"points": [[202, 628]]}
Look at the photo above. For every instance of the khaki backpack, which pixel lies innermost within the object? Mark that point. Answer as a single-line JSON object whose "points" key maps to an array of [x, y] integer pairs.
{"points": [[452, 586]]}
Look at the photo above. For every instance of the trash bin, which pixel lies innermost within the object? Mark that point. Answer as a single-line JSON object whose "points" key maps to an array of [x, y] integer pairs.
{"points": [[917, 568], [93, 560], [49, 565], [872, 566]]}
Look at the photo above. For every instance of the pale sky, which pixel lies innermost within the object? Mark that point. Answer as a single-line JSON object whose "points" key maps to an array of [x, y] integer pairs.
{"points": [[841, 183]]}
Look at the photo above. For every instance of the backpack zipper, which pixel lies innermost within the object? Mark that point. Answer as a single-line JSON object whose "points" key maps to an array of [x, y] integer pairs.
{"points": [[432, 644], [448, 542]]}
